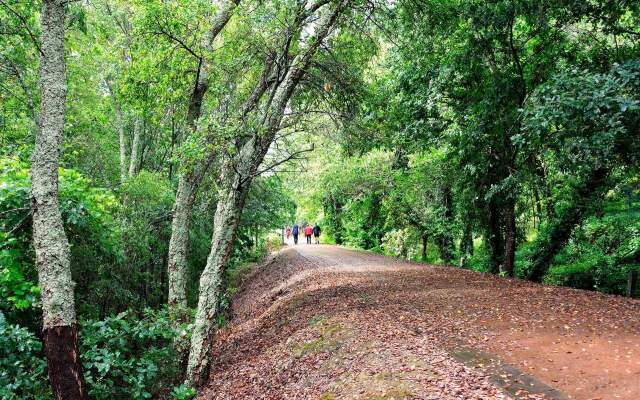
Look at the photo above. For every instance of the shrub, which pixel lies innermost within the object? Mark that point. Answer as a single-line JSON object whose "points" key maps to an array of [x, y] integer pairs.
{"points": [[129, 357], [577, 275], [598, 256], [124, 357], [481, 260], [399, 243], [87, 213], [22, 365]]}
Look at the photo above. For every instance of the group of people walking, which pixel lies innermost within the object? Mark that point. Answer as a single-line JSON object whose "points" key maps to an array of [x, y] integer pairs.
{"points": [[308, 231]]}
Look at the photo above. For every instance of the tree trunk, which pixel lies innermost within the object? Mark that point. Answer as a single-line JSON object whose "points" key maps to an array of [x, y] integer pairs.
{"points": [[332, 210], [541, 172], [551, 241], [507, 265], [123, 145], [423, 256], [466, 244], [50, 242], [179, 242], [121, 135], [189, 182], [494, 237], [445, 239], [188, 185], [537, 215], [226, 220], [135, 148], [256, 234], [632, 283], [173, 145]]}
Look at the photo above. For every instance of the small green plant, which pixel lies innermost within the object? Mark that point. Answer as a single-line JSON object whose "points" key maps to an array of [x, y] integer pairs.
{"points": [[183, 392]]}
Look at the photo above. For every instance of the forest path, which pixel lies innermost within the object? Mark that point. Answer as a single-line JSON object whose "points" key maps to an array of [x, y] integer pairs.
{"points": [[324, 322]]}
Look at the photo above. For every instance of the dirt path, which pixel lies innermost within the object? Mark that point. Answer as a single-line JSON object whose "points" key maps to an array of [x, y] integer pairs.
{"points": [[322, 322]]}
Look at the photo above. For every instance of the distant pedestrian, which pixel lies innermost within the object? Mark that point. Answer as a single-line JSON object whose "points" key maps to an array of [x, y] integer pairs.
{"points": [[288, 231], [316, 233], [308, 231], [295, 232]]}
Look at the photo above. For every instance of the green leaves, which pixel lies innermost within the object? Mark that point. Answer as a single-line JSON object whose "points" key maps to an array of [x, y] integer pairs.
{"points": [[129, 356], [183, 392], [125, 356], [16, 292], [22, 364], [585, 117]]}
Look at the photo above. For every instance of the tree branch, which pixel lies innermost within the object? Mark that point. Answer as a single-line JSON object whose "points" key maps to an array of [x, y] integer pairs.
{"points": [[289, 157], [25, 23]]}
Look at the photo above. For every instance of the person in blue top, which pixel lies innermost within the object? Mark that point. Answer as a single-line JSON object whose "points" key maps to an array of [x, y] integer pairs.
{"points": [[295, 231]]}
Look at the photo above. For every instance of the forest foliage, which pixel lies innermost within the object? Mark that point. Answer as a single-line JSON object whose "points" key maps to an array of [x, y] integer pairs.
{"points": [[499, 136]]}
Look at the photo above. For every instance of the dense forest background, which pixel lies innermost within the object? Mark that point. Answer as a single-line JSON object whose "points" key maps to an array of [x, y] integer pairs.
{"points": [[500, 136]]}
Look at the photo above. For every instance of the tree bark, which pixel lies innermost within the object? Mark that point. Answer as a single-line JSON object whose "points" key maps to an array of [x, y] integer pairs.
{"points": [[332, 211], [466, 244], [537, 209], [632, 283], [121, 134], [179, 243], [445, 239], [423, 256], [541, 172], [494, 237], [227, 216], [50, 242], [135, 148], [189, 182], [508, 263], [122, 145]]}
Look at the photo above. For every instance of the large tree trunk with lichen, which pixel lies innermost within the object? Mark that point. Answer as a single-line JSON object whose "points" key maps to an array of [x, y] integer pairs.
{"points": [[188, 185], [230, 204], [50, 242], [178, 245]]}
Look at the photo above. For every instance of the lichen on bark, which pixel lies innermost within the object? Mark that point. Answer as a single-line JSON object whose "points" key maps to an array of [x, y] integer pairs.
{"points": [[49, 239]]}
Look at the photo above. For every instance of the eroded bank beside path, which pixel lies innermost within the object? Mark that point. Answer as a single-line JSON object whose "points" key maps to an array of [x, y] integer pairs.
{"points": [[323, 322]]}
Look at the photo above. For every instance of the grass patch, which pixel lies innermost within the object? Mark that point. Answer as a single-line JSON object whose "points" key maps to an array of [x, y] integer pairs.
{"points": [[397, 394], [327, 342], [317, 320]]}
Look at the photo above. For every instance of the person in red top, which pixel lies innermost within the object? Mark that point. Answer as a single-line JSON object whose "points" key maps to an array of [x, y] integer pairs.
{"points": [[308, 231]]}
